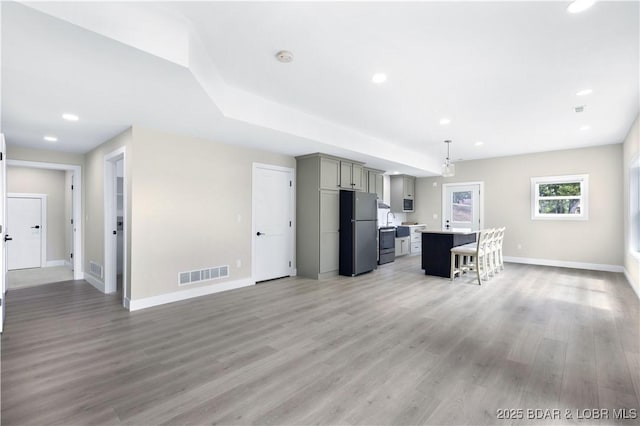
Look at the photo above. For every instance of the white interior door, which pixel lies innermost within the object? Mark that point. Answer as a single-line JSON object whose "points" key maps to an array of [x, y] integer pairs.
{"points": [[25, 226], [3, 223], [461, 207], [272, 222]]}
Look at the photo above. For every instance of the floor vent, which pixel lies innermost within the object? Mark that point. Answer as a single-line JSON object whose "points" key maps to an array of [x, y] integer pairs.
{"points": [[192, 277], [95, 269]]}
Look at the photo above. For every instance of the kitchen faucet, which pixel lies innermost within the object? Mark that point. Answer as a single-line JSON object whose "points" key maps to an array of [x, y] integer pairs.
{"points": [[389, 213]]}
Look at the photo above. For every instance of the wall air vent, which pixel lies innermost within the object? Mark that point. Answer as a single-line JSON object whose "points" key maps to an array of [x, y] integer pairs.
{"points": [[200, 275], [579, 108], [95, 269]]}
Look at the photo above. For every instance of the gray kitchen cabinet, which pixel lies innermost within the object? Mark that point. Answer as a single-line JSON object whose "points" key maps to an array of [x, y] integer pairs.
{"points": [[402, 246], [351, 175], [374, 182], [329, 173], [329, 227], [408, 187], [319, 179], [402, 188]]}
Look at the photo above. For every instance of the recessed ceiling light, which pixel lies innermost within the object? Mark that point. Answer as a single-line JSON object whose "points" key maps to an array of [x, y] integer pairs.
{"points": [[479, 143], [396, 172], [379, 77], [583, 128], [70, 117], [584, 92], [51, 139], [444, 121], [578, 6]]}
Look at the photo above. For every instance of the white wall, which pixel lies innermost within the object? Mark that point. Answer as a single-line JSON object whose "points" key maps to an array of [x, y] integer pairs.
{"points": [[508, 203], [51, 183]]}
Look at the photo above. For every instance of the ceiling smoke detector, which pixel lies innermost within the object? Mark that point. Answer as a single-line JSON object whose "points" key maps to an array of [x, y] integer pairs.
{"points": [[284, 56]]}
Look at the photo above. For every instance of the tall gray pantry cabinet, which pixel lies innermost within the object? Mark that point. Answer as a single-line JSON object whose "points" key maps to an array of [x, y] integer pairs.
{"points": [[320, 178]]}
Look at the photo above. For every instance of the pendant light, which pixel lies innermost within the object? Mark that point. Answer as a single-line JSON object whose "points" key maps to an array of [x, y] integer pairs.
{"points": [[448, 169]]}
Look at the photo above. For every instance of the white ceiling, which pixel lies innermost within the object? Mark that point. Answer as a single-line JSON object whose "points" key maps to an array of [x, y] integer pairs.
{"points": [[505, 73]]}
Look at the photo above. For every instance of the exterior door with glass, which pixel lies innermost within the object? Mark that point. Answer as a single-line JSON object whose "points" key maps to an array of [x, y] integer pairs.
{"points": [[461, 206]]}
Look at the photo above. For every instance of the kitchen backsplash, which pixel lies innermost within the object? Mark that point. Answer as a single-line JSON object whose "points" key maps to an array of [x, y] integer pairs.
{"points": [[393, 221]]}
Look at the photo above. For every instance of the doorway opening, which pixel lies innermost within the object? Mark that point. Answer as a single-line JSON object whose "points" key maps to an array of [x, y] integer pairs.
{"points": [[115, 220], [43, 223]]}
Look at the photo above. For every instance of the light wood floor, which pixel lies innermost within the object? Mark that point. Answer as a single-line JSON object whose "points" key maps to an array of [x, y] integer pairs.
{"points": [[389, 347]]}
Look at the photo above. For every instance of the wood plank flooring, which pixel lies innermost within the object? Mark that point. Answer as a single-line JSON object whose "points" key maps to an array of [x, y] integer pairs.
{"points": [[389, 347]]}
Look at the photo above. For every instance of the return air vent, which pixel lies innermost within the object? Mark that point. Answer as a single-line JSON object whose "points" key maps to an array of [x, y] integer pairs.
{"points": [[95, 269], [199, 275]]}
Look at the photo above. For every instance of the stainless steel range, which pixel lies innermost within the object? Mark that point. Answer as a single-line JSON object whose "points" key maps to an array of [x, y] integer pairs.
{"points": [[386, 244]]}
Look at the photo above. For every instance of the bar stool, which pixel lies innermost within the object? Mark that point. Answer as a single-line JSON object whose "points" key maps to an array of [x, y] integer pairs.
{"points": [[478, 251]]}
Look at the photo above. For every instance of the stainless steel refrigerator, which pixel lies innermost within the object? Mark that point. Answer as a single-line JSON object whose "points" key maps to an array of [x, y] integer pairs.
{"points": [[358, 229]]}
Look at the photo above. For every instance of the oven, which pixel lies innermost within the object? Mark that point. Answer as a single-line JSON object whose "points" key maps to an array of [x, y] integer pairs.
{"points": [[407, 205], [386, 245]]}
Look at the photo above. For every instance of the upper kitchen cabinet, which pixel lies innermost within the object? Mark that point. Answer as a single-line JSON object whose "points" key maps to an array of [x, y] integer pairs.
{"points": [[408, 187], [329, 173], [351, 175], [402, 193], [374, 182]]}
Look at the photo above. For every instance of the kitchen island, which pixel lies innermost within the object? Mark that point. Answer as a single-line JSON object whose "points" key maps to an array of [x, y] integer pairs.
{"points": [[436, 250]]}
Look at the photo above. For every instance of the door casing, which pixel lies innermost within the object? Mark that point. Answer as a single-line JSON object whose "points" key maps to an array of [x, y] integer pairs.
{"points": [[292, 212], [110, 223], [78, 247], [447, 186], [43, 225]]}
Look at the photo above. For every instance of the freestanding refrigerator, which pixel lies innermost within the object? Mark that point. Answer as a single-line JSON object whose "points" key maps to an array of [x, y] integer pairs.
{"points": [[358, 229]]}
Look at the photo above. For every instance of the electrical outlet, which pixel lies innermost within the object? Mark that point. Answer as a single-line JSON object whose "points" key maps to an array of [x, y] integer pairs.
{"points": [[519, 246], [238, 263], [435, 216], [435, 184], [239, 218]]}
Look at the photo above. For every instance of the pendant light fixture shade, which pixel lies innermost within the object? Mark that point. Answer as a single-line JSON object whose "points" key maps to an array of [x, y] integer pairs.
{"points": [[448, 169]]}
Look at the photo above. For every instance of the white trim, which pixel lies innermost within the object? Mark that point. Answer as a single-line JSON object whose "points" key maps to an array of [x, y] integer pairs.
{"points": [[110, 213], [634, 288], [583, 179], [176, 296], [565, 264], [127, 303], [94, 282], [292, 215], [43, 220], [444, 188], [53, 263], [78, 247]]}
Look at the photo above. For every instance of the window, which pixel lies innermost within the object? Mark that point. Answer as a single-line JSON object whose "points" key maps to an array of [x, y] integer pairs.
{"points": [[560, 197]]}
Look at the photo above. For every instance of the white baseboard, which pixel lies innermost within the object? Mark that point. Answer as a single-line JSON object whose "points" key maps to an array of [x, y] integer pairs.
{"points": [[636, 290], [127, 303], [147, 302], [51, 263], [94, 282], [565, 264]]}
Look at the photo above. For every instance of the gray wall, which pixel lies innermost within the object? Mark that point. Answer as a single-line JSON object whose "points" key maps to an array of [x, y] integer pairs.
{"points": [[192, 208], [507, 198], [94, 200], [51, 183]]}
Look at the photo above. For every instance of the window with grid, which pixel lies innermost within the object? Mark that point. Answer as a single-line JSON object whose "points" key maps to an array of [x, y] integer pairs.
{"points": [[560, 197]]}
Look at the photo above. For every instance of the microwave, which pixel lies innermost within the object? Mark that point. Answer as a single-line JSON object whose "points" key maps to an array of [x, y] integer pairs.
{"points": [[407, 205]]}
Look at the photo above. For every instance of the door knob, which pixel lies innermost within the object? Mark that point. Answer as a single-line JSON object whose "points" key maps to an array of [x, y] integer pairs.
{"points": [[259, 233], [35, 227], [7, 238]]}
